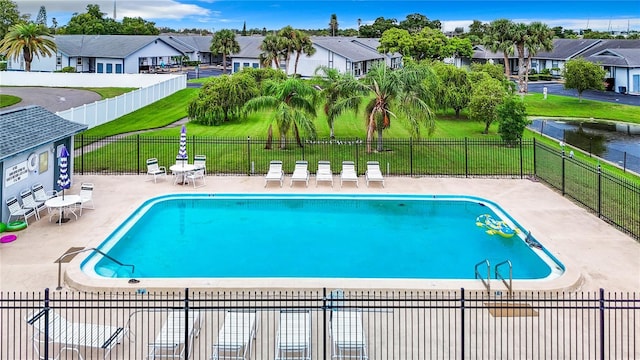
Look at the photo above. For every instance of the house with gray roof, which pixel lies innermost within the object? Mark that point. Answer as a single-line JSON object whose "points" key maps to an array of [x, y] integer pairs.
{"points": [[110, 54], [619, 58], [346, 54], [30, 141]]}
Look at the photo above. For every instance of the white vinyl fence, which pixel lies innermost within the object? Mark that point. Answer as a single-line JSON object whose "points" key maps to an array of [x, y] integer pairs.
{"points": [[106, 110]]}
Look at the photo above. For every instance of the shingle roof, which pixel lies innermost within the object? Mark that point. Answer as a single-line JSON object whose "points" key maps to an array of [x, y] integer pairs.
{"points": [[565, 49], [189, 43], [106, 46], [347, 47], [616, 52], [249, 46], [25, 128]]}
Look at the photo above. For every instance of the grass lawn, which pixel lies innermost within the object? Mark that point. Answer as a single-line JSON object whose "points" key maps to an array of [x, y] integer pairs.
{"points": [[8, 100]]}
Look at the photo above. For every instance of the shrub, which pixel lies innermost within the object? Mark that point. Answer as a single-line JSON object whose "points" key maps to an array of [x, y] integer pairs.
{"points": [[67, 69], [534, 77]]}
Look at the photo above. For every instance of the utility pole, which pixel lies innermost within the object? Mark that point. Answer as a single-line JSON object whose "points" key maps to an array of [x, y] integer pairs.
{"points": [[114, 10]]}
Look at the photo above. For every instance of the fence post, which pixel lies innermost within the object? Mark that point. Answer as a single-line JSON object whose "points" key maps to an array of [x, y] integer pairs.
{"points": [[521, 161], [46, 321], [462, 305], [324, 322], [81, 154], [249, 155], [138, 170], [410, 157], [563, 172], [535, 168], [466, 158], [186, 321], [599, 190], [601, 324]]}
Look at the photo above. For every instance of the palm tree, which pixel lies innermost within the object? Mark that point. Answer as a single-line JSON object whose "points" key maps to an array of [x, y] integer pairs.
{"points": [[333, 24], [540, 39], [520, 36], [499, 38], [271, 50], [224, 42], [302, 45], [406, 91], [293, 105], [289, 40], [341, 92], [28, 39]]}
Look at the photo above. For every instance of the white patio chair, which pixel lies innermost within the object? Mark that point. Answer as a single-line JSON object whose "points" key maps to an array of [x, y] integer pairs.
{"points": [[15, 209], [373, 173], [293, 340], [300, 172], [348, 173], [200, 162], [28, 201], [154, 170], [169, 343], [197, 174], [41, 194], [235, 339], [86, 197], [275, 173], [324, 172]]}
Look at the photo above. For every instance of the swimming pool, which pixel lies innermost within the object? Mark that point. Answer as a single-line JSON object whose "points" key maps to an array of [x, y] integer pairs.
{"points": [[377, 236]]}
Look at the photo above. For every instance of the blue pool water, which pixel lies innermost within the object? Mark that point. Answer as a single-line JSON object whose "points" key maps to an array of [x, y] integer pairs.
{"points": [[313, 236]]}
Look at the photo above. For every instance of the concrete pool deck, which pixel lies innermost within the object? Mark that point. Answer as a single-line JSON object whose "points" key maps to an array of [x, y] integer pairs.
{"points": [[595, 254]]}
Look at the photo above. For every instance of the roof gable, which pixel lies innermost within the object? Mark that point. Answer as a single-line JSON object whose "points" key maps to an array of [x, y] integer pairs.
{"points": [[25, 128], [107, 46]]}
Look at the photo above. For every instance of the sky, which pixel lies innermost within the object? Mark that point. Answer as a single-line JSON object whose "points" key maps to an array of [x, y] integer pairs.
{"points": [[214, 15]]}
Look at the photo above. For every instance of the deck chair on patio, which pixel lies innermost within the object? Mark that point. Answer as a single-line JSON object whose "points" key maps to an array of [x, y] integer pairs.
{"points": [[235, 339], [373, 172], [18, 211], [72, 336], [275, 172], [29, 202], [348, 173], [324, 172], [200, 162], [154, 170], [348, 340], [170, 341], [300, 172], [41, 194], [86, 197], [293, 340]]}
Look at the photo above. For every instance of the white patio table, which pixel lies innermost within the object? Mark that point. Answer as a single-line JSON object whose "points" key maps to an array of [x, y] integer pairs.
{"points": [[180, 172], [62, 204]]}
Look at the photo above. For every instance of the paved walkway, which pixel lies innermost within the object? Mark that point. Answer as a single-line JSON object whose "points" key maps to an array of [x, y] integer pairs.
{"points": [[595, 254]]}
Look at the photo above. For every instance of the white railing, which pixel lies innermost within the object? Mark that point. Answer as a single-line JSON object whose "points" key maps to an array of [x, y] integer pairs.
{"points": [[106, 110]]}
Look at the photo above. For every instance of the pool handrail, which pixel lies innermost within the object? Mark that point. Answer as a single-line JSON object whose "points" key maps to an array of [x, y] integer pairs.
{"points": [[59, 261], [504, 281], [478, 275]]}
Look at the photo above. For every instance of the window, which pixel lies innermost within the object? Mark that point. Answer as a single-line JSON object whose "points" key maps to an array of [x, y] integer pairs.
{"points": [[255, 65], [79, 62], [245, 64], [100, 68], [109, 68], [118, 68]]}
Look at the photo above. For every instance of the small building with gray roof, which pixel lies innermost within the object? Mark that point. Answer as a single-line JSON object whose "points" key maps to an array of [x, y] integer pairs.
{"points": [[31, 139]]}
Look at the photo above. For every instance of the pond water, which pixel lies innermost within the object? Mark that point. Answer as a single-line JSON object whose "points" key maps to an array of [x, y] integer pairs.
{"points": [[615, 142]]}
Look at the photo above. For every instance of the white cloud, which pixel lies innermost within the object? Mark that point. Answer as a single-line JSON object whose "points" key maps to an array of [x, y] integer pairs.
{"points": [[146, 9]]}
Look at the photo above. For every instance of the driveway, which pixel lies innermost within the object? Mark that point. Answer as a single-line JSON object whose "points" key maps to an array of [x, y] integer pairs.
{"points": [[608, 96], [52, 99]]}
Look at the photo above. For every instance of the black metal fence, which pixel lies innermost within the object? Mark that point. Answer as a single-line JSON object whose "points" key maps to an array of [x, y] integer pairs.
{"points": [[613, 198], [320, 325]]}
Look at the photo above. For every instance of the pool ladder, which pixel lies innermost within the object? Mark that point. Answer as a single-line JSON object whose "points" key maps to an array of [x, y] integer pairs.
{"points": [[487, 284], [59, 261]]}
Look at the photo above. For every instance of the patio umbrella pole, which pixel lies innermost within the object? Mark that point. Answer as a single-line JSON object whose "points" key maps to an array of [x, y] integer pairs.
{"points": [[63, 179]]}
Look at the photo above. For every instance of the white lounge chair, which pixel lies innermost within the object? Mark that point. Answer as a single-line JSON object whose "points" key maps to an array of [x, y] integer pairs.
{"points": [[169, 342], [275, 172], [373, 172], [86, 197], [29, 202], [293, 340], [324, 172], [154, 170], [348, 173], [348, 340], [17, 210], [73, 336], [235, 338], [300, 172]]}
